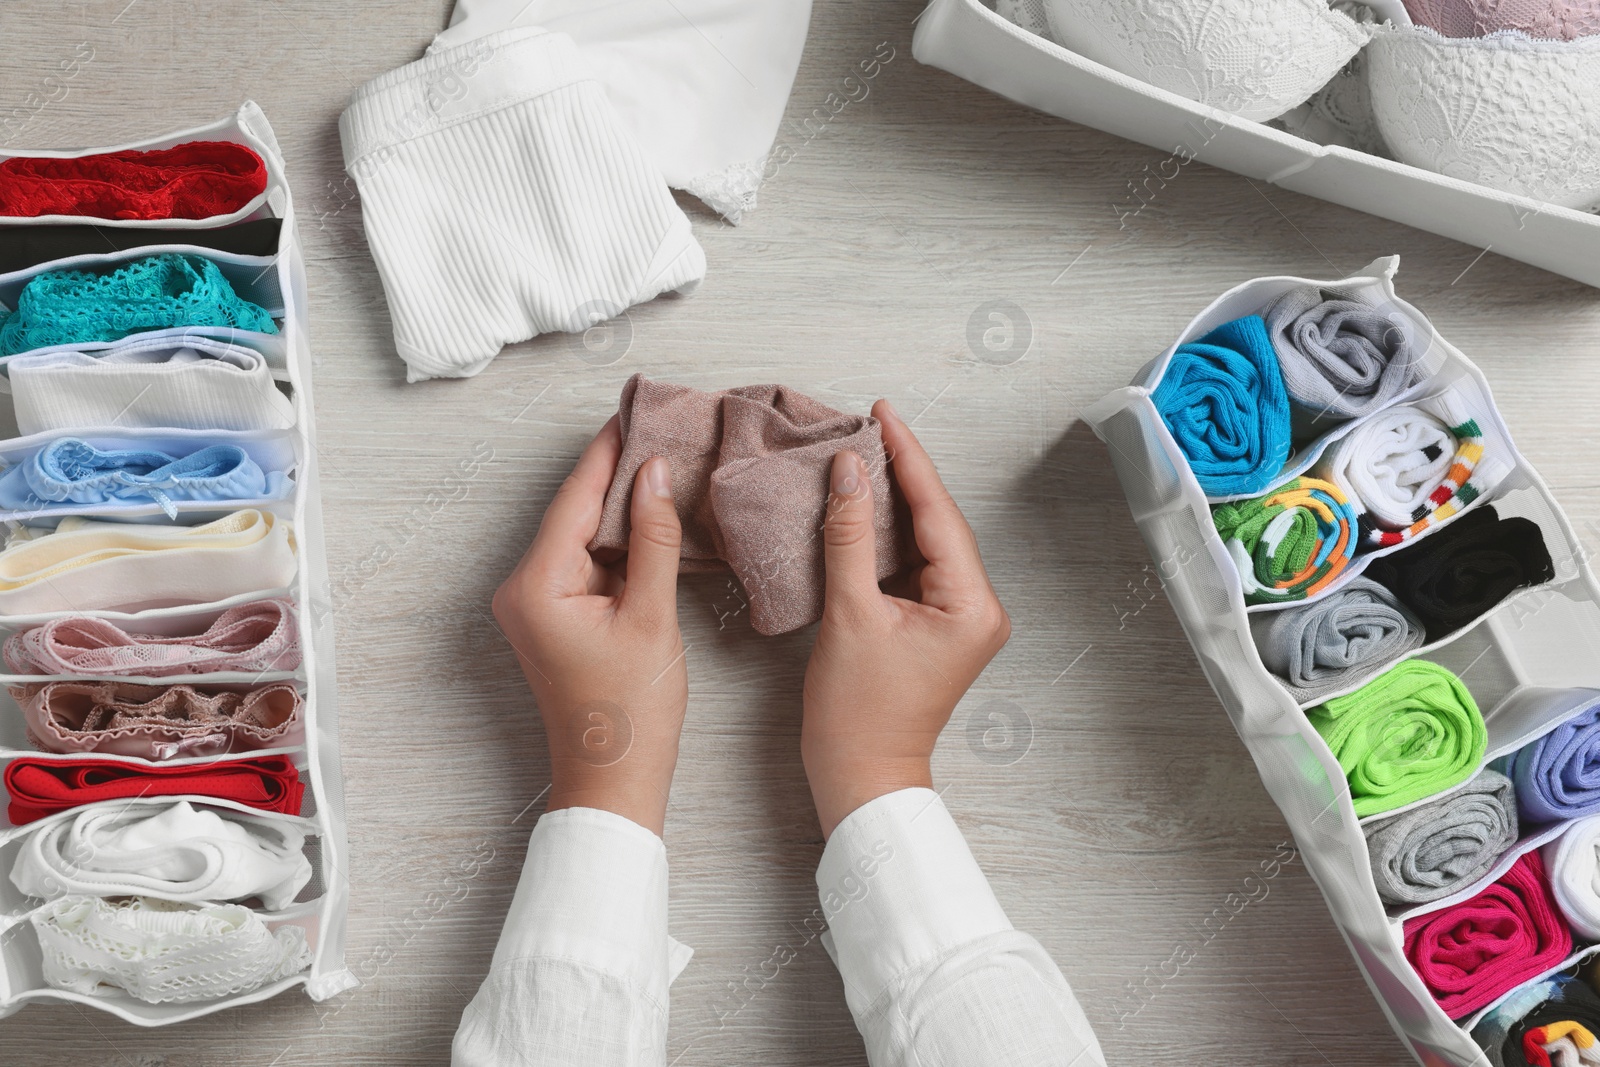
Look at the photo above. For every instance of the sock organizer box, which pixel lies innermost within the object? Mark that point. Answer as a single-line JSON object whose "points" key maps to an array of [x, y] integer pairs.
{"points": [[265, 796], [1530, 662]]}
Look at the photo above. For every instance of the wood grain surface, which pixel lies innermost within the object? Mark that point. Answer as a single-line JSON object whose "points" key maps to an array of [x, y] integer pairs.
{"points": [[1125, 810]]}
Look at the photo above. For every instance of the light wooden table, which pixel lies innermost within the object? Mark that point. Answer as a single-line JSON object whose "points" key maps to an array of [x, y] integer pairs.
{"points": [[1131, 810]]}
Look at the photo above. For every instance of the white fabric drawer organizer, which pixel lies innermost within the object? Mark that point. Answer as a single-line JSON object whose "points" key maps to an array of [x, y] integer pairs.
{"points": [[282, 380], [1529, 663], [969, 40]]}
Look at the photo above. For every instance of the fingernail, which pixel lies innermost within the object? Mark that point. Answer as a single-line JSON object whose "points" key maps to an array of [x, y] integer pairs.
{"points": [[845, 482], [890, 408], [658, 476]]}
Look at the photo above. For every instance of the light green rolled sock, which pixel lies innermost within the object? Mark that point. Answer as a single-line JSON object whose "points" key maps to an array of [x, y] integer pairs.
{"points": [[1410, 733]]}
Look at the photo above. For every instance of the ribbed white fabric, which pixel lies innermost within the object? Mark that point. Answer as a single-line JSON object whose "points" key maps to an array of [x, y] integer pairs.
{"points": [[195, 384], [702, 84], [502, 199], [177, 852], [86, 565], [162, 952]]}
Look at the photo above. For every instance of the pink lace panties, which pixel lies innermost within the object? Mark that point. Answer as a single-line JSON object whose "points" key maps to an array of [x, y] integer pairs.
{"points": [[158, 722], [259, 636]]}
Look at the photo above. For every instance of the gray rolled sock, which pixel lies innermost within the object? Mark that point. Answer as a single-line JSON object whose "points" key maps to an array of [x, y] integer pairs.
{"points": [[1433, 850], [1341, 358], [1332, 643]]}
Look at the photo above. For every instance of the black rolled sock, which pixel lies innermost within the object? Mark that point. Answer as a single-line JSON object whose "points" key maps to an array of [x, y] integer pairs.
{"points": [[1455, 574]]}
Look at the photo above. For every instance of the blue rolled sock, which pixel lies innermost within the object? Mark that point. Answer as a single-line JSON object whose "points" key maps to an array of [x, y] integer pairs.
{"points": [[1558, 775], [1224, 400]]}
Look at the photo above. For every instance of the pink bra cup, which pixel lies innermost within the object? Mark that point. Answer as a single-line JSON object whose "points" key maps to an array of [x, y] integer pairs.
{"points": [[1557, 20], [255, 637]]}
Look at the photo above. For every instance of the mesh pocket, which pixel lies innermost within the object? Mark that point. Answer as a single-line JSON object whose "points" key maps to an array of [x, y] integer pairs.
{"points": [[317, 886]]}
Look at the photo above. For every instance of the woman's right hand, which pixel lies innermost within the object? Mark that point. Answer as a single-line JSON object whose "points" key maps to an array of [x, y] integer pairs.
{"points": [[887, 671]]}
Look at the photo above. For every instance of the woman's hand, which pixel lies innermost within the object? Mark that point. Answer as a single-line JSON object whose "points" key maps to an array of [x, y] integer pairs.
{"points": [[600, 645], [887, 671]]}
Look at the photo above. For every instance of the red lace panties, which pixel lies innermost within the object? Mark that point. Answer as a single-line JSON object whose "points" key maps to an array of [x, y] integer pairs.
{"points": [[188, 181]]}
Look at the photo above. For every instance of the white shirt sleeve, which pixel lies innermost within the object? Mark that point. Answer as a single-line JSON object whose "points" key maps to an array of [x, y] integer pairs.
{"points": [[934, 973], [580, 975]]}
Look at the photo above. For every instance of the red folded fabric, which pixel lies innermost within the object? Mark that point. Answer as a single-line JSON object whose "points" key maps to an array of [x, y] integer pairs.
{"points": [[195, 180], [1471, 953], [41, 787]]}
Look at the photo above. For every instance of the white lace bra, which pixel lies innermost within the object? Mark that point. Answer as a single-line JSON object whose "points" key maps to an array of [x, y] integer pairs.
{"points": [[1507, 111], [1501, 93], [1253, 58]]}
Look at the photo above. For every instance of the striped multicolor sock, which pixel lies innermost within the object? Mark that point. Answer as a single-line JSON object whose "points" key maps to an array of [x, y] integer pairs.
{"points": [[1409, 468], [1560, 1044], [1290, 543], [1468, 477]]}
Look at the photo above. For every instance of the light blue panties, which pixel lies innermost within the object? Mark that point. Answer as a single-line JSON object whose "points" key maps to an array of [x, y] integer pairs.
{"points": [[72, 471]]}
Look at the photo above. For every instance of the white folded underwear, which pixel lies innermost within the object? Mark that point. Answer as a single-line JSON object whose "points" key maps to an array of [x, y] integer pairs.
{"points": [[503, 198], [196, 383]]}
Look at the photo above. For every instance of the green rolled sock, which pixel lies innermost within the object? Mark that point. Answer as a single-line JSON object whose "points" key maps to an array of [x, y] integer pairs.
{"points": [[1410, 733]]}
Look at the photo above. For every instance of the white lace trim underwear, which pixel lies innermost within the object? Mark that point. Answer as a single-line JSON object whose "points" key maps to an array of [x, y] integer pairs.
{"points": [[523, 206], [730, 192], [1252, 58], [162, 952], [1506, 111], [177, 853]]}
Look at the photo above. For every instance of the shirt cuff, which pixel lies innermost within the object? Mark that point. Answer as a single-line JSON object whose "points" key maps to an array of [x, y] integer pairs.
{"points": [[900, 888], [594, 890]]}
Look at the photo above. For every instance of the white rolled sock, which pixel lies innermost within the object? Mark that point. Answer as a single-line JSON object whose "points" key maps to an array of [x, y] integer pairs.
{"points": [[1573, 863], [503, 199]]}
